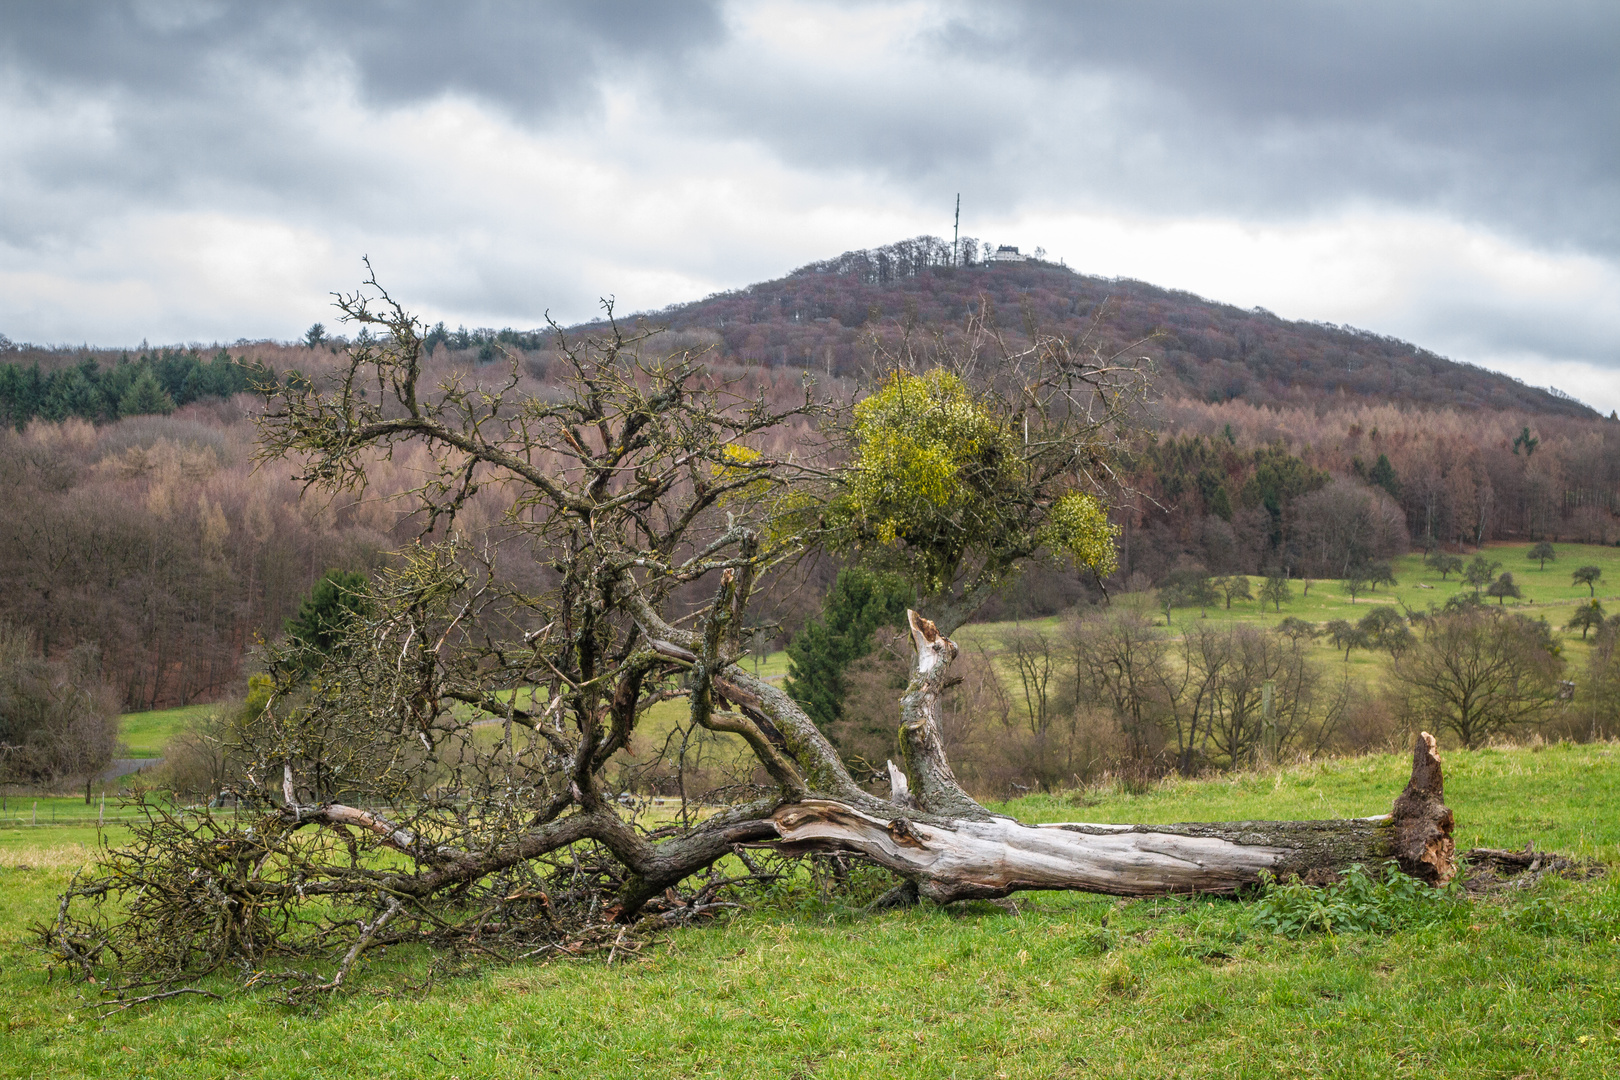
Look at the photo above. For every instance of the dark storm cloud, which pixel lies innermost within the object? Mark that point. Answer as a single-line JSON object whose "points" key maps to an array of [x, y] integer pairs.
{"points": [[531, 57], [176, 104], [1506, 114], [1501, 110]]}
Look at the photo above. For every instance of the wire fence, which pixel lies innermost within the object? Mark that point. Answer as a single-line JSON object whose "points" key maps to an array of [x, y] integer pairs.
{"points": [[27, 813], [57, 811]]}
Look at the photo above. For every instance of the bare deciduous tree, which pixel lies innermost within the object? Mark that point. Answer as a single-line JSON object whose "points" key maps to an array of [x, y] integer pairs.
{"points": [[57, 719], [1478, 673]]}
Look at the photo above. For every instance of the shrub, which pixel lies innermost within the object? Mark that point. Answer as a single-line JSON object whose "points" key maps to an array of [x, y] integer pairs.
{"points": [[1361, 903]]}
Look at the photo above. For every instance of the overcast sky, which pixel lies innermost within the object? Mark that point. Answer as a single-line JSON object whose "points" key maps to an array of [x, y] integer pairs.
{"points": [[190, 170]]}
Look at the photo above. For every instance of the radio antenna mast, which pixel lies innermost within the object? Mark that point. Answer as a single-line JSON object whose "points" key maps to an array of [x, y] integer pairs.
{"points": [[956, 233]]}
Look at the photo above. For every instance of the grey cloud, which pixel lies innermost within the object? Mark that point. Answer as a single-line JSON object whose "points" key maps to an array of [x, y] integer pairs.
{"points": [[1501, 113], [1508, 114], [530, 57], [1505, 112], [181, 103]]}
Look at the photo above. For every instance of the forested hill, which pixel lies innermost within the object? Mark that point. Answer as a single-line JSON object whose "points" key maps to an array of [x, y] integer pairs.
{"points": [[1207, 351]]}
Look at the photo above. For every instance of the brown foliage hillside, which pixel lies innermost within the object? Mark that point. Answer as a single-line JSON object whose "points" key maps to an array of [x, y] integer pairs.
{"points": [[818, 318], [154, 539]]}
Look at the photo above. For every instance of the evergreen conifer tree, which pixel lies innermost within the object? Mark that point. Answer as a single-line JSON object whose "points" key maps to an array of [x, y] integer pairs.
{"points": [[323, 615], [860, 601], [145, 395]]}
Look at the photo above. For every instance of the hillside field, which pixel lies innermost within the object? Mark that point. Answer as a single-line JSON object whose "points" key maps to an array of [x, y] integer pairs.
{"points": [[1548, 593], [146, 733], [1517, 984]]}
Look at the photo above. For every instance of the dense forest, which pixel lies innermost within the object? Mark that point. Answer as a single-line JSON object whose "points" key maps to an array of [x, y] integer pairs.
{"points": [[135, 520]]}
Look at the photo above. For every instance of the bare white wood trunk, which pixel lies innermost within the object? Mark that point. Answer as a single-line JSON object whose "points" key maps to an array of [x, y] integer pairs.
{"points": [[981, 859], [962, 859]]}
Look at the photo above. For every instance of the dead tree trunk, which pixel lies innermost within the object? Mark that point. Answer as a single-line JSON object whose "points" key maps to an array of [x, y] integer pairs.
{"points": [[954, 849]]}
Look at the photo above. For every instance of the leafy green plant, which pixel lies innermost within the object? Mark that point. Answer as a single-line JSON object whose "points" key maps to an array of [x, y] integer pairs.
{"points": [[1360, 903]]}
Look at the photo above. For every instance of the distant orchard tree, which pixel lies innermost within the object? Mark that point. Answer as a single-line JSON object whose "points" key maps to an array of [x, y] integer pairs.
{"points": [[1234, 587], [1443, 563], [1202, 592], [1346, 635], [1187, 588], [1383, 628], [1542, 552], [1480, 572], [1296, 629], [1502, 588], [1380, 573], [1357, 580], [1588, 576], [1461, 601], [1586, 617], [1275, 591]]}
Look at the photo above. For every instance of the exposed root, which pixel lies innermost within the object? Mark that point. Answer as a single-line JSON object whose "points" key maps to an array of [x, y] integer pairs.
{"points": [[1496, 870]]}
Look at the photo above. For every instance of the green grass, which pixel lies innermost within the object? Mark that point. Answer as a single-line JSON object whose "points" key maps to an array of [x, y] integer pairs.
{"points": [[1547, 593], [1527, 985], [146, 733], [1562, 797], [34, 812]]}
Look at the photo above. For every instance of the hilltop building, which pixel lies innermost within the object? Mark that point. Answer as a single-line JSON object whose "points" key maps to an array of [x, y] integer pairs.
{"points": [[1008, 253]]}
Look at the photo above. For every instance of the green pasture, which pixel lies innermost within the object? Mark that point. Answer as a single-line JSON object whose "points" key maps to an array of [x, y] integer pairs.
{"points": [[146, 733], [1548, 593], [1521, 984], [1562, 797], [25, 813]]}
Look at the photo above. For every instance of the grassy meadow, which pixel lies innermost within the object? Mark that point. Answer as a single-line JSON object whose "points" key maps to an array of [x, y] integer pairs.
{"points": [[1548, 593], [145, 734], [1518, 984]]}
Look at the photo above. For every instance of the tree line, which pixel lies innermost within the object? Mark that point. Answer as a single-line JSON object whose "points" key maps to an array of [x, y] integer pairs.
{"points": [[155, 382], [154, 543], [1336, 494]]}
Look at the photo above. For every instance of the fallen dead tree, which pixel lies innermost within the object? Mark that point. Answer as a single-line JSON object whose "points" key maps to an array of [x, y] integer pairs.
{"points": [[968, 853], [384, 807]]}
